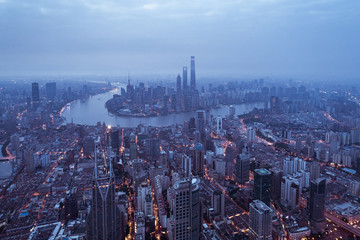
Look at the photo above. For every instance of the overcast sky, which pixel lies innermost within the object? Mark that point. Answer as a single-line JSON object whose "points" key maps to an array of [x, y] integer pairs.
{"points": [[299, 38]]}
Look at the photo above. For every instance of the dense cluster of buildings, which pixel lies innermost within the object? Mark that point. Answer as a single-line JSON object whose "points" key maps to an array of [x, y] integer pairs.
{"points": [[287, 171]]}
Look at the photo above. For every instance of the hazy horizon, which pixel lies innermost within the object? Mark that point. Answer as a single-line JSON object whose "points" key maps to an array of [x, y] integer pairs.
{"points": [[311, 39]]}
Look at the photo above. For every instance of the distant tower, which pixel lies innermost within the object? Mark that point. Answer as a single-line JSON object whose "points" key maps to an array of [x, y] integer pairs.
{"points": [[192, 74], [198, 160], [218, 124], [242, 167], [51, 91], [260, 225], [103, 221], [35, 92], [200, 123], [178, 84], [262, 185], [185, 78], [316, 205]]}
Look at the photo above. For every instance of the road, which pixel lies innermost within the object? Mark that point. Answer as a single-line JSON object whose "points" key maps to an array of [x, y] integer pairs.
{"points": [[343, 224]]}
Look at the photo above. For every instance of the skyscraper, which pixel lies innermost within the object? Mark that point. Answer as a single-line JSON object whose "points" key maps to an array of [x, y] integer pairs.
{"points": [[260, 225], [185, 78], [314, 170], [242, 167], [186, 213], [262, 185], [290, 192], [51, 91], [178, 84], [218, 203], [200, 123], [316, 205], [192, 74], [198, 160], [186, 165], [103, 221], [35, 92]]}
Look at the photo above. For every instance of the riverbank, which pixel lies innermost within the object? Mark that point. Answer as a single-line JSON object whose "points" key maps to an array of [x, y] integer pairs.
{"points": [[93, 111]]}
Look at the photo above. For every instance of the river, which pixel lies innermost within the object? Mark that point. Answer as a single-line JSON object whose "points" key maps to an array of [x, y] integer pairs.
{"points": [[92, 110]]}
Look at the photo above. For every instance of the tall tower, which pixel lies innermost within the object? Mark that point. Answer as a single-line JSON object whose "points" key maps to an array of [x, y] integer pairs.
{"points": [[185, 78], [178, 84], [186, 213], [192, 74], [242, 167], [35, 92], [103, 221], [198, 160], [260, 225], [262, 185], [316, 205], [200, 123], [51, 90]]}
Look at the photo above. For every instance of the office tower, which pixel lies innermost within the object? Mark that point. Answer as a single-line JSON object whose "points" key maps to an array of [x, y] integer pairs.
{"points": [[277, 175], [242, 167], [198, 160], [299, 165], [142, 192], [250, 133], [133, 147], [192, 74], [51, 91], [71, 207], [185, 78], [186, 210], [262, 185], [103, 221], [218, 203], [314, 170], [152, 147], [290, 192], [115, 141], [316, 205], [139, 225], [231, 112], [186, 165], [35, 92], [218, 124], [178, 84], [260, 225], [200, 123], [288, 166]]}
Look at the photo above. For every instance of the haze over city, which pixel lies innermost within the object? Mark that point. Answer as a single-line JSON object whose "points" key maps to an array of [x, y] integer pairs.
{"points": [[179, 120], [310, 39]]}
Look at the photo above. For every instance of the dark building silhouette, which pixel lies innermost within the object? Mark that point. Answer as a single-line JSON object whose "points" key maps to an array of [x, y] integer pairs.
{"points": [[71, 207], [198, 160], [242, 168], [200, 123], [262, 185], [103, 221], [51, 91], [316, 205], [178, 84], [192, 74], [35, 92], [277, 175], [185, 78]]}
